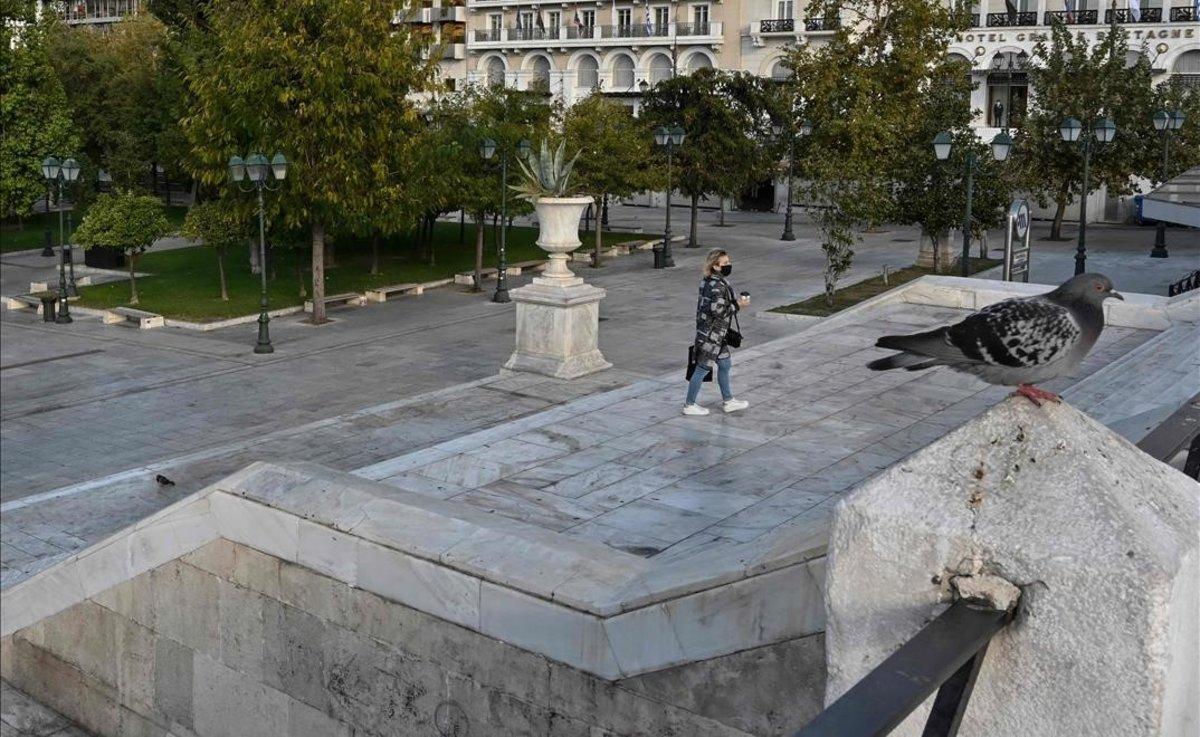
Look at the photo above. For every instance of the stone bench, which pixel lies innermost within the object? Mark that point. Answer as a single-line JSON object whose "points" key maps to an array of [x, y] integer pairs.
{"points": [[51, 286], [337, 300], [145, 320], [383, 294], [23, 302], [467, 278]]}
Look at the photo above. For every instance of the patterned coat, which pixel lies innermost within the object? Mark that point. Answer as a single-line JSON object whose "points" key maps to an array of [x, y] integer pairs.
{"points": [[714, 314]]}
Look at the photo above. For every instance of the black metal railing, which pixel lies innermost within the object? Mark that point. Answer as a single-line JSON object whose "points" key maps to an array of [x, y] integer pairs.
{"points": [[1005, 20], [1186, 284], [581, 31], [1125, 15], [1072, 17], [777, 25], [487, 34], [828, 23], [692, 29], [945, 655], [1183, 15]]}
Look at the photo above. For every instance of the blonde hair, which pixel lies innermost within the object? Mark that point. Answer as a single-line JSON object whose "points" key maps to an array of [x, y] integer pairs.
{"points": [[711, 260]]}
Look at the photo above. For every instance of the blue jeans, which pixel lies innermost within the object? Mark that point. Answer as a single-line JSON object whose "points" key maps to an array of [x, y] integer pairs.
{"points": [[701, 373]]}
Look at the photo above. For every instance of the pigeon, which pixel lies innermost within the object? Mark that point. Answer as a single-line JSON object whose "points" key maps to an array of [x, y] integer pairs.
{"points": [[163, 480], [1016, 342]]}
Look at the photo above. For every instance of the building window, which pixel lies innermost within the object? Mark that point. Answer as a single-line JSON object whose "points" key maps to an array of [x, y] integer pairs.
{"points": [[624, 21], [700, 19], [662, 21], [554, 21], [495, 21], [660, 68], [587, 74], [495, 72], [623, 73], [698, 61], [540, 78], [785, 9], [1008, 90], [1186, 71], [589, 18]]}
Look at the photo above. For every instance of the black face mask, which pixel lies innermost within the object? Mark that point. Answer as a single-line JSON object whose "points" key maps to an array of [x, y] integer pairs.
{"points": [[727, 269]]}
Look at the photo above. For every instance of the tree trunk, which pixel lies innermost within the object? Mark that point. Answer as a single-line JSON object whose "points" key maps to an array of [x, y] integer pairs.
{"points": [[300, 278], [133, 298], [221, 272], [318, 273], [695, 218], [599, 239], [721, 215], [432, 219], [604, 213], [254, 264], [462, 227], [1056, 225], [479, 226], [374, 253]]}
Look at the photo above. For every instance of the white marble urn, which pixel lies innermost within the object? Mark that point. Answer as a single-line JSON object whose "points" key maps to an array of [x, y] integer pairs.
{"points": [[558, 218], [558, 315]]}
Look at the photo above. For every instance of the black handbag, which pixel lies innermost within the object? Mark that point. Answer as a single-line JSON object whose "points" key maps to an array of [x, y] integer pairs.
{"points": [[733, 338], [691, 365]]}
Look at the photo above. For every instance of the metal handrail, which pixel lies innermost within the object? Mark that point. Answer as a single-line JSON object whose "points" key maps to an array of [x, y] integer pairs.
{"points": [[946, 655]]}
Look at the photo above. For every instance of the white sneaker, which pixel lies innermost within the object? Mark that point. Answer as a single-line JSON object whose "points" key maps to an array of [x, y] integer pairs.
{"points": [[733, 405], [694, 409]]}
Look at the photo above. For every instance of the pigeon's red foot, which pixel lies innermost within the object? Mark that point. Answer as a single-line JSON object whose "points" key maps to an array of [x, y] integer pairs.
{"points": [[1036, 395]]}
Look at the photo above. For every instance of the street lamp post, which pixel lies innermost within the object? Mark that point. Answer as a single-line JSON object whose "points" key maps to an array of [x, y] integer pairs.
{"points": [[668, 138], [487, 150], [1165, 123], [777, 131], [1104, 130], [47, 237], [1001, 146], [255, 167], [67, 171]]}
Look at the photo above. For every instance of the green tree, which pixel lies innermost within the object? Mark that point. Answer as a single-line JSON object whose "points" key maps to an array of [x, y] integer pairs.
{"points": [[1070, 78], [326, 82], [1185, 143], [125, 220], [221, 225], [123, 98], [864, 92], [34, 114], [615, 152], [721, 115], [932, 193]]}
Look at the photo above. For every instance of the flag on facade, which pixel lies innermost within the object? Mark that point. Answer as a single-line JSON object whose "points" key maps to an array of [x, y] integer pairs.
{"points": [[1069, 5], [649, 26], [1135, 10], [578, 21]]}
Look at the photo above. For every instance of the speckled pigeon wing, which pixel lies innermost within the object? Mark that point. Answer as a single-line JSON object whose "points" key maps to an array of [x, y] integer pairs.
{"points": [[1017, 333]]}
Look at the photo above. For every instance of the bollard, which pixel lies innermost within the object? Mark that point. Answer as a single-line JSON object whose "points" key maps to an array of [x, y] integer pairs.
{"points": [[49, 308]]}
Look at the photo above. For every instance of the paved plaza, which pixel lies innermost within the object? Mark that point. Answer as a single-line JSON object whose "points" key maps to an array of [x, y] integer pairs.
{"points": [[93, 413]]}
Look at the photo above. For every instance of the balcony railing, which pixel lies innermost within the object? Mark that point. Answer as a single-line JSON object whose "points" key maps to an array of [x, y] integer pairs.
{"points": [[1008, 20], [777, 25], [96, 11], [1183, 15], [1072, 17], [821, 24], [1125, 15], [593, 33]]}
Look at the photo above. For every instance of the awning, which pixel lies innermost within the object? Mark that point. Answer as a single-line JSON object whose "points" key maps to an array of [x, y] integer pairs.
{"points": [[1176, 201]]}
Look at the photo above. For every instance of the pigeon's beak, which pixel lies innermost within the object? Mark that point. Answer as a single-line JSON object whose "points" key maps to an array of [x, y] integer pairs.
{"points": [[1113, 293]]}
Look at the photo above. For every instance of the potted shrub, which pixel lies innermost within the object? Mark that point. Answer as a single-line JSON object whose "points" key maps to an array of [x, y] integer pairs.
{"points": [[546, 184], [126, 221]]}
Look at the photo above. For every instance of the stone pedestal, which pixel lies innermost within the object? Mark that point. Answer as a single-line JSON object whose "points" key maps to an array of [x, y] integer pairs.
{"points": [[948, 253], [558, 316], [557, 328]]}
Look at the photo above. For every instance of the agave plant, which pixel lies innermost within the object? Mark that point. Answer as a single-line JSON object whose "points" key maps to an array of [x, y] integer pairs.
{"points": [[546, 174]]}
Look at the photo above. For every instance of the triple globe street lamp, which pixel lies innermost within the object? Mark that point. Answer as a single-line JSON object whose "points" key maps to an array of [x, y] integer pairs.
{"points": [[1165, 123], [62, 173], [256, 167], [803, 130], [487, 149], [1071, 130], [669, 139], [1001, 146]]}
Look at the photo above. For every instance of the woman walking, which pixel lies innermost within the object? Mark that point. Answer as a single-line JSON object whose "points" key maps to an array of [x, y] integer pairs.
{"points": [[715, 314]]}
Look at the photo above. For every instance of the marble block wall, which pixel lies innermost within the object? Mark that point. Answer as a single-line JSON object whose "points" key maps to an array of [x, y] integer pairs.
{"points": [[230, 641]]}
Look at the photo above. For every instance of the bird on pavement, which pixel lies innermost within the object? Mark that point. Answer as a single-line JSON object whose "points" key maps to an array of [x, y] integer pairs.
{"points": [[1017, 342], [163, 480]]}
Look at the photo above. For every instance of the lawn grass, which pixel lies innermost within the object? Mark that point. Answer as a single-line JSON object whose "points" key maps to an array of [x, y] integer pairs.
{"points": [[183, 283], [860, 291], [29, 231]]}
